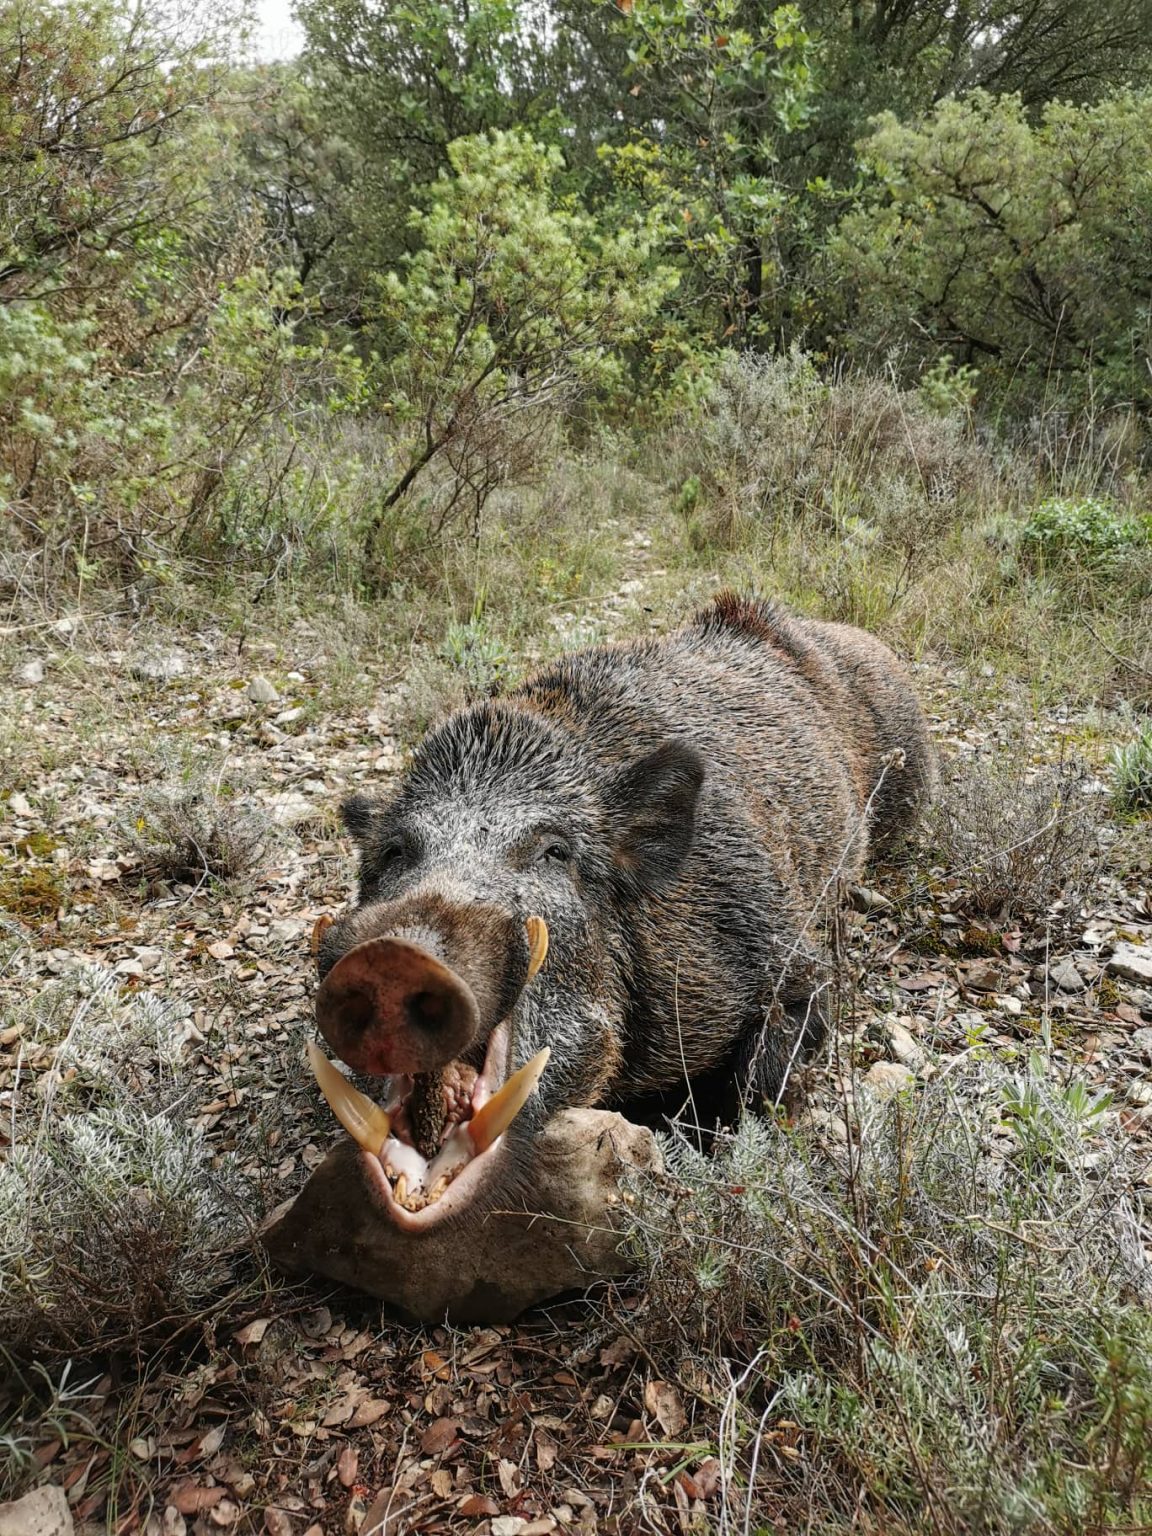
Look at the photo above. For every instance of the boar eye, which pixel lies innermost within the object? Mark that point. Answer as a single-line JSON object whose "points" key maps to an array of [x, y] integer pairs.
{"points": [[391, 853], [556, 852]]}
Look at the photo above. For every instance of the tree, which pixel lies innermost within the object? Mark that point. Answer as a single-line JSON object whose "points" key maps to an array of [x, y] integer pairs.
{"points": [[1018, 246], [512, 302]]}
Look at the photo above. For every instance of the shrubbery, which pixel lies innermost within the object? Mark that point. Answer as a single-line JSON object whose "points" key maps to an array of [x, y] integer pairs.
{"points": [[115, 1229], [951, 1309]]}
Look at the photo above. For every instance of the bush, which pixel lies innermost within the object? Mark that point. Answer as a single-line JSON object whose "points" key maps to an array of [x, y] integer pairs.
{"points": [[512, 307], [189, 827], [777, 446], [943, 1325], [1090, 532], [1011, 242], [1132, 770], [1012, 842], [115, 1229]]}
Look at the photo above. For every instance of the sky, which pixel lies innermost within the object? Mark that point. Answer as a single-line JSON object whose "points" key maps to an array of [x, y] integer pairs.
{"points": [[277, 34]]}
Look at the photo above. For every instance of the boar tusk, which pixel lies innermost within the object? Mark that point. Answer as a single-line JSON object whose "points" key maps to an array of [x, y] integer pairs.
{"points": [[494, 1117], [537, 944], [365, 1122], [319, 928]]}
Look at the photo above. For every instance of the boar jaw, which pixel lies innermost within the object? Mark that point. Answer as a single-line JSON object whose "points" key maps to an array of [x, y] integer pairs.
{"points": [[418, 1192]]}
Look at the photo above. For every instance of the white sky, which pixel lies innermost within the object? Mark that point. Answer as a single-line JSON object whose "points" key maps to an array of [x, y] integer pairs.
{"points": [[277, 34]]}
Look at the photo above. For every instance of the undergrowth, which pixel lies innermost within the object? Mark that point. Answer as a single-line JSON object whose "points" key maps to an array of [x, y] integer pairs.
{"points": [[944, 1325], [115, 1230]]}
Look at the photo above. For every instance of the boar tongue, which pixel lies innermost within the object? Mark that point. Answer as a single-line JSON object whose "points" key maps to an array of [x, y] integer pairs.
{"points": [[438, 1101], [427, 1113]]}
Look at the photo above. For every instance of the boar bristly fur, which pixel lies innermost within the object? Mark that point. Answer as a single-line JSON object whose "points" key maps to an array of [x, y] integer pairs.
{"points": [[679, 812]]}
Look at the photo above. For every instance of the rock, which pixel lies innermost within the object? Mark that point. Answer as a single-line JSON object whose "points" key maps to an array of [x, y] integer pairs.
{"points": [[1140, 1092], [18, 804], [158, 666], [1132, 962], [863, 899], [43, 1512], [31, 673], [980, 976], [1065, 975], [905, 1047], [826, 1123], [1012, 1006], [291, 808], [888, 1078], [564, 1234], [1142, 1041], [261, 691]]}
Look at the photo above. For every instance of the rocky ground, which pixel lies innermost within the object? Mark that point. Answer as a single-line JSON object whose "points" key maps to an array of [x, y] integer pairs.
{"points": [[300, 1409]]}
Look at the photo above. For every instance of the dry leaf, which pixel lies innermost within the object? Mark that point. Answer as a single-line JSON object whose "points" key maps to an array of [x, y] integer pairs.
{"points": [[443, 1483], [211, 1442], [707, 1477], [253, 1332], [546, 1452], [347, 1465], [478, 1504], [662, 1401], [438, 1437], [192, 1498]]}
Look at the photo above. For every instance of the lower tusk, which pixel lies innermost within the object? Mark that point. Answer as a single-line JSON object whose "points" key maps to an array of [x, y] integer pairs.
{"points": [[319, 928], [365, 1122], [494, 1118], [537, 944]]}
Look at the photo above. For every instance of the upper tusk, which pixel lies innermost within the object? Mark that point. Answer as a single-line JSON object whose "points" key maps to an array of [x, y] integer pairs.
{"points": [[319, 928], [365, 1122], [494, 1117], [537, 944]]}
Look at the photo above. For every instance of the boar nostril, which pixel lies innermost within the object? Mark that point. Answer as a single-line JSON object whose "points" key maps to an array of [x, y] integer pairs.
{"points": [[427, 1011]]}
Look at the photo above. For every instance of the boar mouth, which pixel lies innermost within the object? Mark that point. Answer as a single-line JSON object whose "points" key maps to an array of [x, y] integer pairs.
{"points": [[427, 1144]]}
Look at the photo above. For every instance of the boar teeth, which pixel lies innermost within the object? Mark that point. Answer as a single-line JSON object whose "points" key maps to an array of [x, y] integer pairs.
{"points": [[537, 944], [365, 1122], [319, 928], [494, 1118]]}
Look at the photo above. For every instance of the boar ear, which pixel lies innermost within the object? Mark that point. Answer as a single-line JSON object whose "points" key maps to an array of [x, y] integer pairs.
{"points": [[655, 804], [357, 813]]}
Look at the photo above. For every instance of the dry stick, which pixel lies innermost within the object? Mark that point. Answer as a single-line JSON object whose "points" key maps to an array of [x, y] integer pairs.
{"points": [[1124, 661]]}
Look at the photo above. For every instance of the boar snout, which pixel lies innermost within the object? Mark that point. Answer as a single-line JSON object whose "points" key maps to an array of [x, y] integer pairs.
{"points": [[388, 1006]]}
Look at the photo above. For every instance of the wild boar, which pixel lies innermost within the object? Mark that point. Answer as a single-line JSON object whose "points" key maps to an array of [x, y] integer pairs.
{"points": [[609, 887]]}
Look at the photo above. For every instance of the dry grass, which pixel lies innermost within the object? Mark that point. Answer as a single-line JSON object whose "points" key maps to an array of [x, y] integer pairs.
{"points": [[1015, 841], [115, 1229], [941, 1326], [190, 827]]}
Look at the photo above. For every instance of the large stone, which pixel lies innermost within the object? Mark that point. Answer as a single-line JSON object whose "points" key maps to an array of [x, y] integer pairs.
{"points": [[565, 1233], [261, 691], [888, 1078], [158, 666], [30, 674], [1133, 962], [43, 1512]]}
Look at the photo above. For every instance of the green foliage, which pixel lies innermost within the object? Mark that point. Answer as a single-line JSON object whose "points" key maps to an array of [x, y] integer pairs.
{"points": [[478, 655], [1012, 243], [513, 305], [1088, 533], [1132, 771], [720, 84], [395, 85]]}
